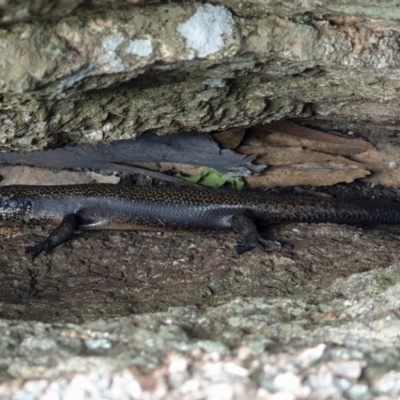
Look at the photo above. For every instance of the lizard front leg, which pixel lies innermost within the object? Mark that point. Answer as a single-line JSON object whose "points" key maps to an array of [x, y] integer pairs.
{"points": [[56, 237]]}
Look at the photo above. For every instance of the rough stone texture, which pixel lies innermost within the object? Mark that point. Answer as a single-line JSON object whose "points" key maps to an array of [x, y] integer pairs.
{"points": [[111, 70], [87, 71], [120, 273], [342, 342]]}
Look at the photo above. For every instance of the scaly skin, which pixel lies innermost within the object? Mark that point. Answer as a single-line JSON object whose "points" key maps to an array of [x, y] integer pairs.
{"points": [[101, 206]]}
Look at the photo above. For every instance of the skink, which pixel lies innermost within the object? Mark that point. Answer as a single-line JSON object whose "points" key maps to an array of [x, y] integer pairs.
{"points": [[105, 206]]}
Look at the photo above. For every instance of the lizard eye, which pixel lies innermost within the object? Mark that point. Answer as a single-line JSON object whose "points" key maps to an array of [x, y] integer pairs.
{"points": [[13, 203]]}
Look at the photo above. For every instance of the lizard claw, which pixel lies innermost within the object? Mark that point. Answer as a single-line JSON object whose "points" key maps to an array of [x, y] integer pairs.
{"points": [[268, 243], [265, 244], [241, 247], [33, 251]]}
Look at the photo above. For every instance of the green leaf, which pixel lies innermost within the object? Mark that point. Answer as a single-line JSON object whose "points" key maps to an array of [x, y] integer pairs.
{"points": [[210, 177]]}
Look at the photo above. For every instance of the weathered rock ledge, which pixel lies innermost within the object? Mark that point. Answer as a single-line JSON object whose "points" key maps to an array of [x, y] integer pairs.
{"points": [[74, 73], [341, 343]]}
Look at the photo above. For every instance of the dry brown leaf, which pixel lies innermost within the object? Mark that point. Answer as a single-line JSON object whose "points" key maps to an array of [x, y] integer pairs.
{"points": [[290, 134], [293, 155], [386, 178], [374, 159], [25, 175], [385, 163], [230, 139], [307, 174]]}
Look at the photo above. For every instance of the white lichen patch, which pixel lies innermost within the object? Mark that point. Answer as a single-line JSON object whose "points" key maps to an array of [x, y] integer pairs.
{"points": [[206, 30], [214, 82], [93, 135], [140, 47], [110, 44]]}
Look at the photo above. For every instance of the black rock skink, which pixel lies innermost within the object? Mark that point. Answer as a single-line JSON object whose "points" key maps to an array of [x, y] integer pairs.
{"points": [[103, 206]]}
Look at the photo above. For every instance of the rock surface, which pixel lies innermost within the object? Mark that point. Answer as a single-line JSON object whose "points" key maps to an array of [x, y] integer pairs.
{"points": [[341, 343], [72, 73], [320, 320]]}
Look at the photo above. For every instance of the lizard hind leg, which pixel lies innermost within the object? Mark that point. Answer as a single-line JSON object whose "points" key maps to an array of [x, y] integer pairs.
{"points": [[250, 238]]}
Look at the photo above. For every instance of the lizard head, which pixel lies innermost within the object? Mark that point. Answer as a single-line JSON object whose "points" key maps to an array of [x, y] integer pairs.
{"points": [[13, 207]]}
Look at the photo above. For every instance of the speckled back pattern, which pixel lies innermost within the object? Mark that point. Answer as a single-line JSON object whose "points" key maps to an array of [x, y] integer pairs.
{"points": [[105, 206]]}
